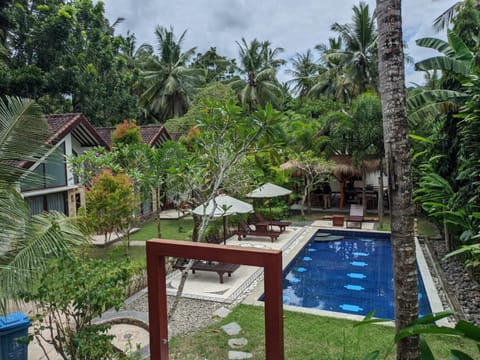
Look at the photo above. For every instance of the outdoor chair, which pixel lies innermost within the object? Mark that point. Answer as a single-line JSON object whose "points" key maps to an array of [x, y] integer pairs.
{"points": [[245, 230], [355, 219], [281, 224]]}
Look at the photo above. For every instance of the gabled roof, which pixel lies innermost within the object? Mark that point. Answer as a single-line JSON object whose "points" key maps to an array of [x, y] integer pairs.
{"points": [[60, 125], [78, 125], [153, 135]]}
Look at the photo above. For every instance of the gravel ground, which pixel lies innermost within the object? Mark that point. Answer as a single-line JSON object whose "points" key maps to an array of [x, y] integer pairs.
{"points": [[459, 282], [191, 314]]}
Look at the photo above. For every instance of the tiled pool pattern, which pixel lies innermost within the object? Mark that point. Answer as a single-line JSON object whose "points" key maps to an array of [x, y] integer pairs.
{"points": [[353, 275]]}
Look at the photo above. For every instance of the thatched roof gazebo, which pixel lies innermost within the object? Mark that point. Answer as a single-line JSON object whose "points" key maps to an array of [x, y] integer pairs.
{"points": [[344, 170], [344, 167]]}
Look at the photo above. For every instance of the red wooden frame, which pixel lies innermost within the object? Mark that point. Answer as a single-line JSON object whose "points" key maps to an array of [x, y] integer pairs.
{"points": [[270, 260]]}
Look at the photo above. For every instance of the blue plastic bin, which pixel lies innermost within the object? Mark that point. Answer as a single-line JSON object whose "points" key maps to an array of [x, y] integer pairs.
{"points": [[13, 326]]}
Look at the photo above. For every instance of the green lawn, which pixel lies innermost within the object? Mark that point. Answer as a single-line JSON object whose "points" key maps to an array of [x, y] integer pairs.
{"points": [[305, 336], [180, 229]]}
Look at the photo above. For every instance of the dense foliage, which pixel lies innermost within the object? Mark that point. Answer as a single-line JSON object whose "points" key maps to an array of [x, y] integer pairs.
{"points": [[65, 55], [448, 150]]}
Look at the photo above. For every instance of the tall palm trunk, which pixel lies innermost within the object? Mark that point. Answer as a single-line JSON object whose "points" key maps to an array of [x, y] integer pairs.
{"points": [[392, 90]]}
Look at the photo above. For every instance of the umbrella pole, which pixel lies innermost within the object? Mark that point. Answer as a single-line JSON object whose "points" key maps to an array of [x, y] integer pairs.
{"points": [[224, 230]]}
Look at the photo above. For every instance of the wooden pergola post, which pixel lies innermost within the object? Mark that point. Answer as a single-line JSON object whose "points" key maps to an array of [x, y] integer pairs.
{"points": [[270, 260]]}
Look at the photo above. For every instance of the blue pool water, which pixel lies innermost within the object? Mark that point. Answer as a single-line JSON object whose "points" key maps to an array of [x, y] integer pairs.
{"points": [[353, 275]]}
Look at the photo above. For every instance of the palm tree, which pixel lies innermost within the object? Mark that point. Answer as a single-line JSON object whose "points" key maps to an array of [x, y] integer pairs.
{"points": [[169, 81], [392, 90], [332, 80], [26, 243], [259, 65], [359, 55], [304, 71]]}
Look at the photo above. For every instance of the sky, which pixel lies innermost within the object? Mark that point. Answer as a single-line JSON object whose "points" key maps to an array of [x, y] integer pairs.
{"points": [[296, 26]]}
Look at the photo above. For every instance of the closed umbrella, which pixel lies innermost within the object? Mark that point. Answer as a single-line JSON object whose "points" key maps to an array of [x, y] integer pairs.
{"points": [[223, 205], [268, 190]]}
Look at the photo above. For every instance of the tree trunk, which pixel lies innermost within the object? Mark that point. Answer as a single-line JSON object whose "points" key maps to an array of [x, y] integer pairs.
{"points": [[196, 227], [158, 211], [304, 198], [380, 196], [392, 91]]}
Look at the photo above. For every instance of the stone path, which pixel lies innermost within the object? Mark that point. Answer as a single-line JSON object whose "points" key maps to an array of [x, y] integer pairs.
{"points": [[233, 329]]}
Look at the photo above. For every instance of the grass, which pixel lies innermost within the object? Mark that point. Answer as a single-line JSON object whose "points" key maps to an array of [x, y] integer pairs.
{"points": [[171, 229], [306, 337]]}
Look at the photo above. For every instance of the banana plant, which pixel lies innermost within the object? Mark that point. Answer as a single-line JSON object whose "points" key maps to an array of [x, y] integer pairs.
{"points": [[457, 59]]}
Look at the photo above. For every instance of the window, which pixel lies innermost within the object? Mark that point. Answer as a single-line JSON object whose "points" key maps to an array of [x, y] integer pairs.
{"points": [[49, 202], [51, 173]]}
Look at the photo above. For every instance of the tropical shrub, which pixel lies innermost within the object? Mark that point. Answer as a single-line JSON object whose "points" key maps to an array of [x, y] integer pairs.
{"points": [[110, 204], [71, 294]]}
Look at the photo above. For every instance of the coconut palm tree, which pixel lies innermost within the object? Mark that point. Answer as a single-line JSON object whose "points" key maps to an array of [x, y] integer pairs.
{"points": [[332, 80], [26, 243], [258, 65], [392, 90], [168, 79], [359, 55], [303, 73]]}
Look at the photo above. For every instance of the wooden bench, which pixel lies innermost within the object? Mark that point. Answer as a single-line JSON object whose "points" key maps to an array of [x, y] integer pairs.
{"points": [[200, 265]]}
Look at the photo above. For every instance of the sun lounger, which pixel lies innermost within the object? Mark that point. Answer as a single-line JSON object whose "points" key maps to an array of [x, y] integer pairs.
{"points": [[355, 219], [212, 266], [245, 230], [281, 224]]}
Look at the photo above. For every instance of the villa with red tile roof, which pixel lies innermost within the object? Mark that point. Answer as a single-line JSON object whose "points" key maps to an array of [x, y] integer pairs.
{"points": [[54, 186]]}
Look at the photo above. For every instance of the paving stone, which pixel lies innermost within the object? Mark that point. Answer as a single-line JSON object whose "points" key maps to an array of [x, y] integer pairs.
{"points": [[221, 313], [237, 343], [232, 328], [238, 355]]}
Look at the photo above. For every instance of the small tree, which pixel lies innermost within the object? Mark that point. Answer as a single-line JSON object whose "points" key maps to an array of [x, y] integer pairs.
{"points": [[110, 204], [315, 169], [157, 173], [220, 147], [219, 161], [71, 294]]}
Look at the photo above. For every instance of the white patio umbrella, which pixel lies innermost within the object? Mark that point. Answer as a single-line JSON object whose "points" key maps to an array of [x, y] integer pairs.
{"points": [[223, 205], [268, 190]]}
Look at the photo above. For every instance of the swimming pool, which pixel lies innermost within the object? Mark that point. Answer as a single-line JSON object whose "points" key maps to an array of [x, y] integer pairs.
{"points": [[353, 275]]}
